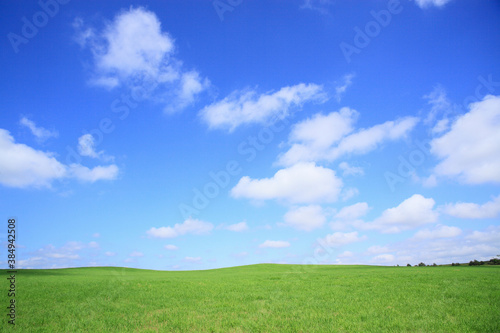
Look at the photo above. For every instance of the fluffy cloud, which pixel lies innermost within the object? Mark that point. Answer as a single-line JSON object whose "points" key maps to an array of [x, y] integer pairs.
{"points": [[189, 226], [238, 227], [301, 183], [40, 133], [466, 210], [411, 213], [305, 218], [338, 239], [132, 50], [247, 107], [328, 137], [22, 166], [171, 247], [470, 150], [86, 146], [429, 3], [274, 244], [441, 231]]}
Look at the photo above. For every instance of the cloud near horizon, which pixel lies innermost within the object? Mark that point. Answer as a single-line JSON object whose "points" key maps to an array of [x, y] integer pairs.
{"points": [[189, 226]]}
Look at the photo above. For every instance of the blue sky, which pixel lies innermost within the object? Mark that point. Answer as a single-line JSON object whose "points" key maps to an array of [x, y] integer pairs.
{"points": [[179, 135]]}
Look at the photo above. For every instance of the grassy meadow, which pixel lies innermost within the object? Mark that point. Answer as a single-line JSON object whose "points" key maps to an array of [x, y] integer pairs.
{"points": [[258, 298]]}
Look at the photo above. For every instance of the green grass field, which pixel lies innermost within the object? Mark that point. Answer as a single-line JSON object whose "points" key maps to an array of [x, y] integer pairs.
{"points": [[259, 298]]}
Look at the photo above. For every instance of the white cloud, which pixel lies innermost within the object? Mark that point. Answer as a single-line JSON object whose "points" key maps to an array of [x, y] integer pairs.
{"points": [[71, 254], [320, 6], [274, 244], [440, 104], [338, 239], [96, 235], [189, 226], [94, 245], [490, 236], [411, 213], [353, 212], [193, 259], [470, 150], [376, 249], [322, 131], [444, 245], [110, 254], [171, 247], [327, 138], [350, 216], [340, 90], [83, 173], [301, 183], [351, 170], [348, 193], [466, 210], [132, 50], [429, 3], [441, 231], [86, 146], [40, 133], [346, 254], [238, 227], [383, 258], [22, 166], [136, 254], [246, 107], [305, 218]]}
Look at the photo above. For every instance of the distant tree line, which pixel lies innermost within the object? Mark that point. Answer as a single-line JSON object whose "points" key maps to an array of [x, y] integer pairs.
{"points": [[493, 261]]}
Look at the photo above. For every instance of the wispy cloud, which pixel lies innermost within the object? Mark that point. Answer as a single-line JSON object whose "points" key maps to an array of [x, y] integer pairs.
{"points": [[341, 89], [247, 107], [40, 133], [274, 244], [431, 3], [189, 226]]}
